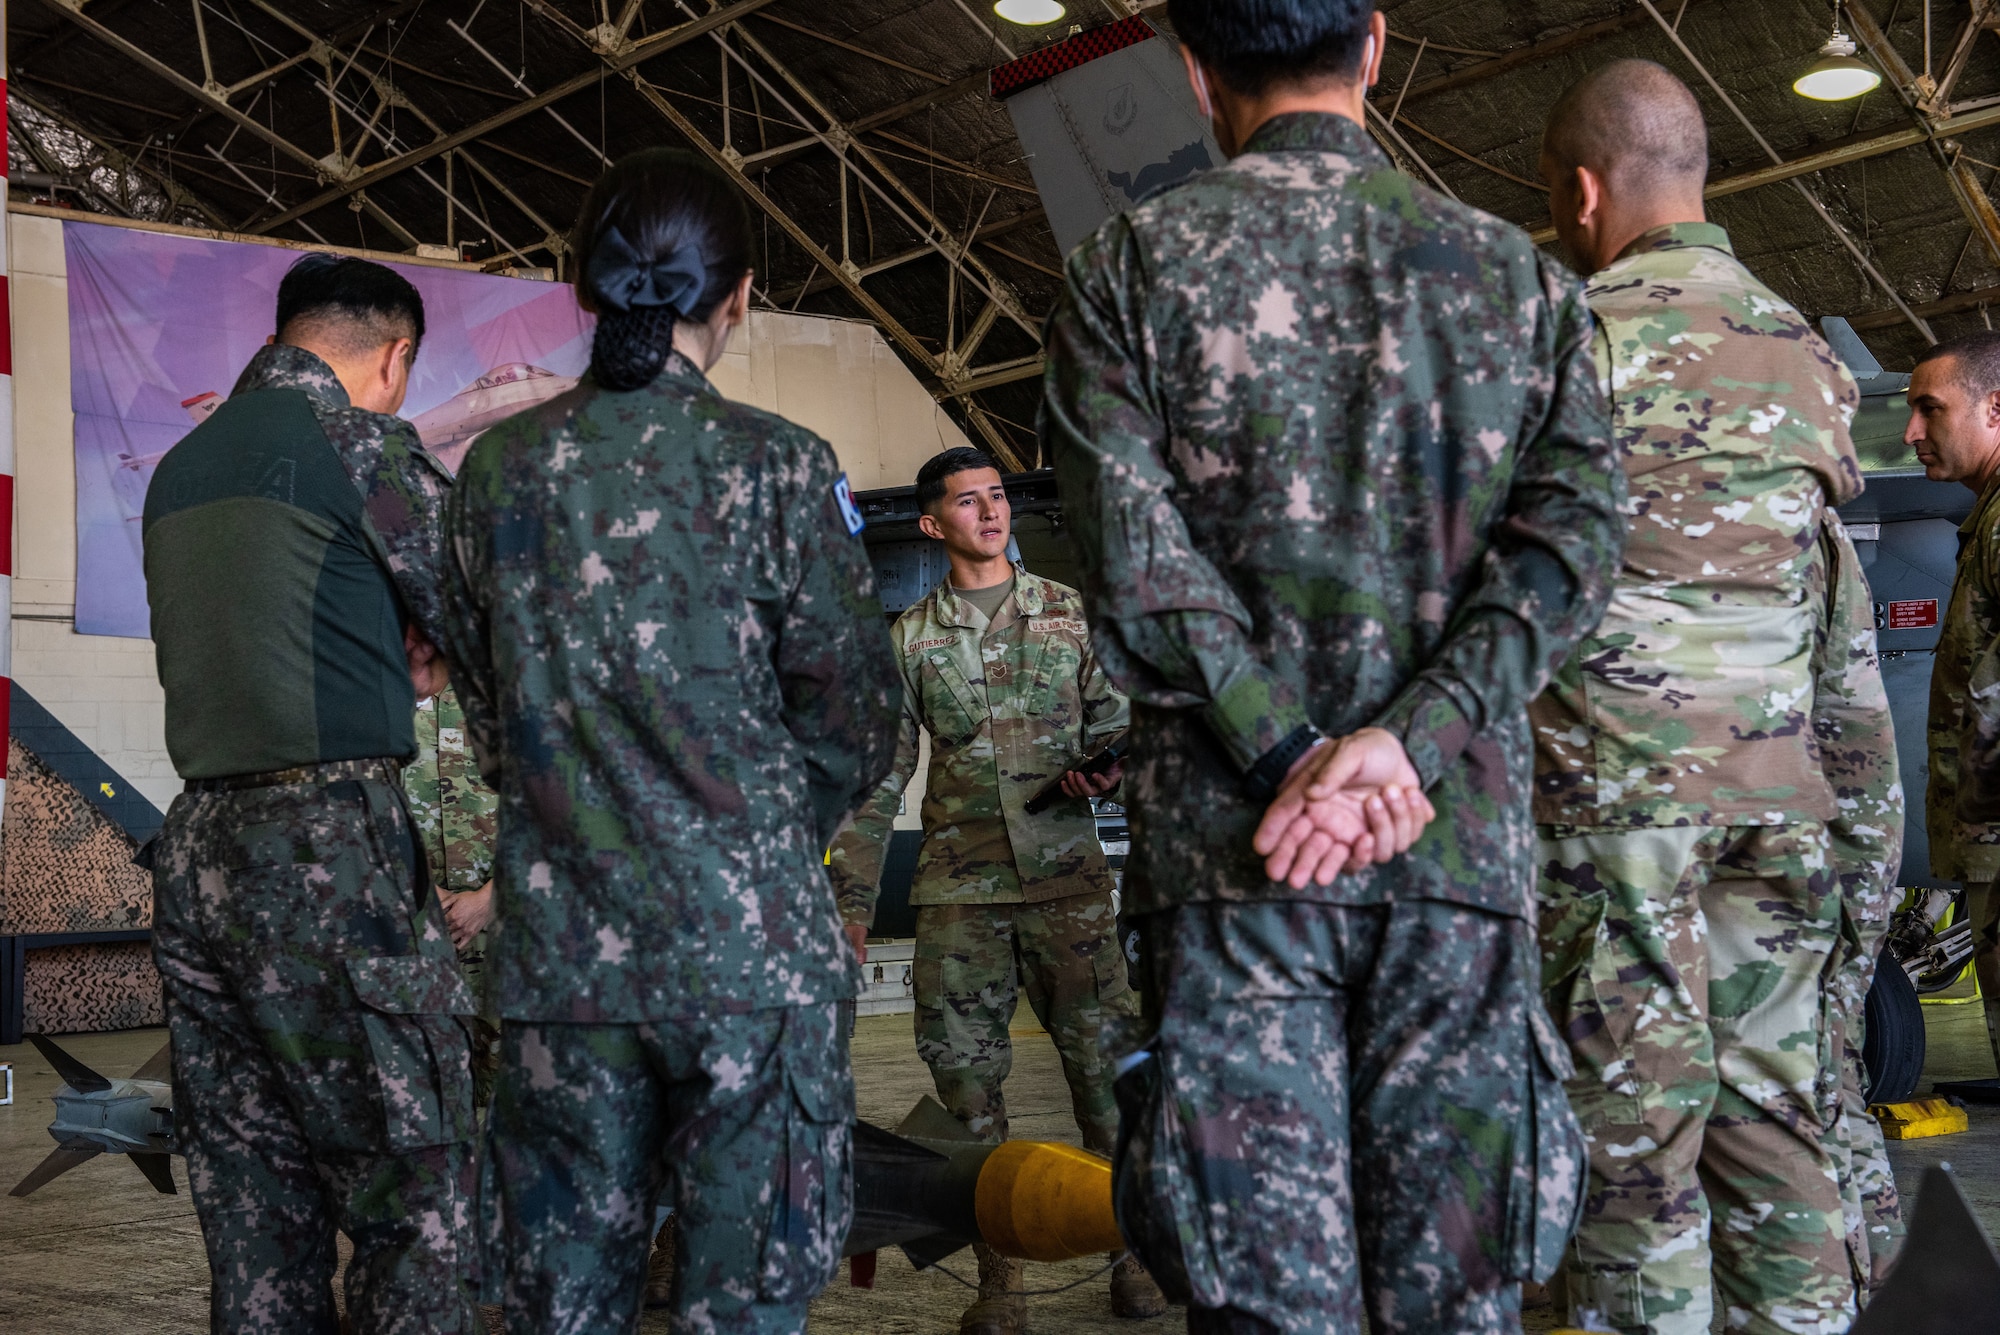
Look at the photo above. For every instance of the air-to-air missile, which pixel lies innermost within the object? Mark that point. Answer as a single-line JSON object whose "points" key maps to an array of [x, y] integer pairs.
{"points": [[931, 1187], [96, 1114]]}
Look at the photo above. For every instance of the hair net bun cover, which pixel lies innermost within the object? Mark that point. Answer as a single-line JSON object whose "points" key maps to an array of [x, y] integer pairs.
{"points": [[625, 282]]}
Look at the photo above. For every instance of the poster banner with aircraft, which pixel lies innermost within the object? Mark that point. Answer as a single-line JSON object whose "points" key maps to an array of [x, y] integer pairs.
{"points": [[160, 326]]}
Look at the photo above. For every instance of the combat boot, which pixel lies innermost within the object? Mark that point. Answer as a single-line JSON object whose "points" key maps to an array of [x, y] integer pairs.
{"points": [[1002, 1307], [1133, 1292], [660, 1265]]}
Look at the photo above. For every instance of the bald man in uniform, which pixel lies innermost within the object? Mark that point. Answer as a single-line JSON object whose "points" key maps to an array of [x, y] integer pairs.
{"points": [[1696, 862]]}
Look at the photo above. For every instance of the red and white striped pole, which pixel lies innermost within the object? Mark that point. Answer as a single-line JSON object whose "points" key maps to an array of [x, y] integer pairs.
{"points": [[6, 440]]}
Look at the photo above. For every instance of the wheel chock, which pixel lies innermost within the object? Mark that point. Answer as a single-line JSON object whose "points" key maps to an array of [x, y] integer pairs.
{"points": [[1919, 1118]]}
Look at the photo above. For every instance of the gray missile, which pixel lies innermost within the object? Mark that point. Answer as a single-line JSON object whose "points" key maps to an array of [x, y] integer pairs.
{"points": [[96, 1114]]}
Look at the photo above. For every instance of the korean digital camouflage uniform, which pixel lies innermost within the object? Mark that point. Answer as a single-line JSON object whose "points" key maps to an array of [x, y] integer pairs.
{"points": [[1857, 750], [457, 819], [1691, 902], [1962, 802], [676, 674], [1334, 453], [1005, 900], [319, 1064]]}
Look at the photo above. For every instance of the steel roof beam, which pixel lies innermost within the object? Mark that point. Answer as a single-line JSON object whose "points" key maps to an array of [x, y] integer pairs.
{"points": [[822, 282], [114, 157], [638, 52], [1985, 14], [188, 88], [1955, 304], [896, 331], [782, 153], [1917, 98], [1534, 52], [840, 139], [1840, 233]]}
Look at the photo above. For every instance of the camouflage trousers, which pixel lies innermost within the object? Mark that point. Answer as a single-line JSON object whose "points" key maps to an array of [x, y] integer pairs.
{"points": [[1871, 1210], [319, 1070], [1982, 910], [973, 962], [1685, 966], [749, 1117], [1345, 1103]]}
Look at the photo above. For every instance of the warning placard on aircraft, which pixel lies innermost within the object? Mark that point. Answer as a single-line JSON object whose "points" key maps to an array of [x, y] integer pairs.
{"points": [[1916, 614]]}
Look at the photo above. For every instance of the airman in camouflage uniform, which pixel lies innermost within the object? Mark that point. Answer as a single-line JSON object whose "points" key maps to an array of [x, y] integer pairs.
{"points": [[457, 819], [1857, 749], [675, 672], [1334, 453], [1006, 901], [319, 1064], [1954, 397], [1009, 704], [1691, 903]]}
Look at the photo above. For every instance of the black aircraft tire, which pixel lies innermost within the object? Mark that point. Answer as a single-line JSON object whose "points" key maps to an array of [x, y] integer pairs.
{"points": [[1893, 1052]]}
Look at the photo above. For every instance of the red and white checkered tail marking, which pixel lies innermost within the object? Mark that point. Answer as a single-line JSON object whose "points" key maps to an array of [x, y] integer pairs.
{"points": [[6, 438]]}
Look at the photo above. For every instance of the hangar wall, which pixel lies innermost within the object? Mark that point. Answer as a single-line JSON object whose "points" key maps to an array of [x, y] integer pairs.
{"points": [[838, 377]]}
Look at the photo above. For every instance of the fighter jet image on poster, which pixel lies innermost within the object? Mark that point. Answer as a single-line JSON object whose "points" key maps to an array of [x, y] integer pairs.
{"points": [[135, 471], [449, 429], [96, 1114], [1107, 118]]}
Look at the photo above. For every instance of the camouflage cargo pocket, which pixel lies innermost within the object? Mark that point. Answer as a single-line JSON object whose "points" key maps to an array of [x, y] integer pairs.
{"points": [[422, 1059], [1155, 1189], [1549, 1174], [948, 699], [1109, 962], [1569, 926], [814, 1200]]}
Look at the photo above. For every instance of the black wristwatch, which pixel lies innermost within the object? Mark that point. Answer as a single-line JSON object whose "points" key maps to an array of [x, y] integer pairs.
{"points": [[1267, 776]]}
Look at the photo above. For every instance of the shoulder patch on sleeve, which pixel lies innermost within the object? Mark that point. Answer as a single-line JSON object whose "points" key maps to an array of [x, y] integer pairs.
{"points": [[850, 513]]}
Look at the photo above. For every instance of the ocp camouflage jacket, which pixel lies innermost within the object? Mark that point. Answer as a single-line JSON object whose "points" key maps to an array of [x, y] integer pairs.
{"points": [[1009, 706], [457, 817], [1962, 804], [1691, 703]]}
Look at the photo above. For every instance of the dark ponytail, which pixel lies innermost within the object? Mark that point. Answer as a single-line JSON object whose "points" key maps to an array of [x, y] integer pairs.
{"points": [[663, 236]]}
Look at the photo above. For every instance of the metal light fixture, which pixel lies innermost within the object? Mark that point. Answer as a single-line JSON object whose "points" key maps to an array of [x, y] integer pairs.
{"points": [[1028, 13], [1837, 76]]}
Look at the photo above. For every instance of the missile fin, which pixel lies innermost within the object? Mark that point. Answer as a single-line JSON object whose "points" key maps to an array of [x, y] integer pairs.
{"points": [[159, 1066], [61, 1159], [928, 1251], [915, 1195], [1947, 1268], [158, 1169], [73, 1072], [930, 1121]]}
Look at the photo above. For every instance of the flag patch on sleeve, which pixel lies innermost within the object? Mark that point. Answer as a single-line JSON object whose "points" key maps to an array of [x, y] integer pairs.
{"points": [[850, 513]]}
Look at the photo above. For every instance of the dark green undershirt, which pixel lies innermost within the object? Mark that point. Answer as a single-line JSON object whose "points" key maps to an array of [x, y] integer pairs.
{"points": [[989, 599]]}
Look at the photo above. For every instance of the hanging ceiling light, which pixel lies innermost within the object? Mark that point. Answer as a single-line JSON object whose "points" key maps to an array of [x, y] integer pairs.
{"points": [[1837, 76], [1028, 13]]}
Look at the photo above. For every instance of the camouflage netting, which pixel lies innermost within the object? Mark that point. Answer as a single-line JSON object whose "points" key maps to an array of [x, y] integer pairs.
{"points": [[85, 989], [66, 867]]}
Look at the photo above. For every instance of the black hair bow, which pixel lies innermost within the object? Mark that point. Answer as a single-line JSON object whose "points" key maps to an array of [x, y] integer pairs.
{"points": [[623, 281]]}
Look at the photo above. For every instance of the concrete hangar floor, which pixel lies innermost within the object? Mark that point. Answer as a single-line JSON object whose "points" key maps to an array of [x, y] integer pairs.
{"points": [[99, 1250]]}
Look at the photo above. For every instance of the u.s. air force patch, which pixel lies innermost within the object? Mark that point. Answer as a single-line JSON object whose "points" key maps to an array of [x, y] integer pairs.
{"points": [[1057, 625], [850, 513]]}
